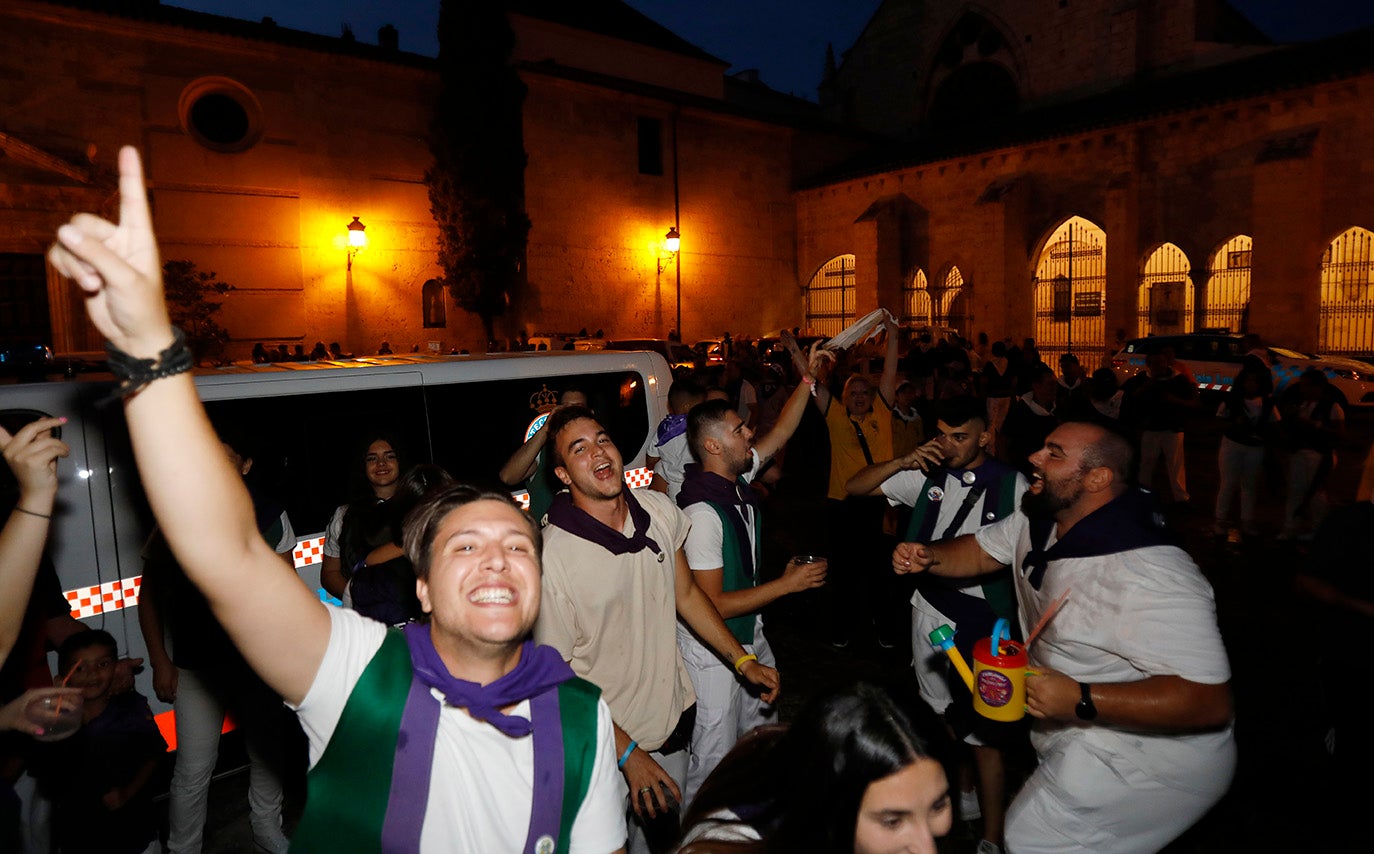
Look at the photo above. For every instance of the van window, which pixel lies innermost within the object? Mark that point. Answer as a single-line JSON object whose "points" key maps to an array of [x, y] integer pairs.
{"points": [[477, 426], [308, 448]]}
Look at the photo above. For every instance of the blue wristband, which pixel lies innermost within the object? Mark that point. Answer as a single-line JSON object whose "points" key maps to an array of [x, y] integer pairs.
{"points": [[626, 755]]}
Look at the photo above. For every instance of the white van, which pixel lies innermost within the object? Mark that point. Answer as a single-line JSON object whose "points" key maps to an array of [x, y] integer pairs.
{"points": [[306, 422]]}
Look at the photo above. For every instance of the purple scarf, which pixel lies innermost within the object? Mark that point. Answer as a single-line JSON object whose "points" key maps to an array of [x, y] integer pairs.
{"points": [[563, 513], [670, 428], [699, 485], [539, 668]]}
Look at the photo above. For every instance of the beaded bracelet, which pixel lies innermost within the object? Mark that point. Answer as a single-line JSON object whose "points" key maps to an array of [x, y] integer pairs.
{"points": [[133, 373]]}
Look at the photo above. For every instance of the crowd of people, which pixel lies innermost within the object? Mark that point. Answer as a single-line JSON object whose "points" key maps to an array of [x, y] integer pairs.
{"points": [[595, 674]]}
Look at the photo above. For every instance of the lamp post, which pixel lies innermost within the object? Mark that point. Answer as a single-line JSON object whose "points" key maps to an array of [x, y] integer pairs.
{"points": [[672, 242], [357, 240]]}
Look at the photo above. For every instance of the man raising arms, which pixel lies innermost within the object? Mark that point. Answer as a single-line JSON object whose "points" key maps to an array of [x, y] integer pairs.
{"points": [[616, 579], [423, 741], [1131, 693]]}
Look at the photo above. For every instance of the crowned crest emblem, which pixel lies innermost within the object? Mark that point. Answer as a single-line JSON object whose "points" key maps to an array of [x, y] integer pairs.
{"points": [[544, 400]]}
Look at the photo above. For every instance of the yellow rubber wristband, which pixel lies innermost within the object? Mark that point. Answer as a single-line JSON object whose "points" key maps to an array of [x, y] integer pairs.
{"points": [[739, 662]]}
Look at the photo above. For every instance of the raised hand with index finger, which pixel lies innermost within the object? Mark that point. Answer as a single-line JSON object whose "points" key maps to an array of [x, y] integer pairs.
{"points": [[118, 268]]}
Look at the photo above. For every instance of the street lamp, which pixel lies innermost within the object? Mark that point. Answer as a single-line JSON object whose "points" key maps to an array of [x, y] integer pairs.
{"points": [[672, 241], [357, 239]]}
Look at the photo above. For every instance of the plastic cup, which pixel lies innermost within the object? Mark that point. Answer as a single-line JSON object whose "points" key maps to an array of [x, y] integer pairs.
{"points": [[58, 714], [806, 560]]}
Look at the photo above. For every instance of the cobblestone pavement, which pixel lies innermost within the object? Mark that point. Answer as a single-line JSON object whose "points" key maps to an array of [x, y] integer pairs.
{"points": [[1284, 796]]}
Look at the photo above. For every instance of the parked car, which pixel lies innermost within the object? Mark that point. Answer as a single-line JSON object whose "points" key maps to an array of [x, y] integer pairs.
{"points": [[679, 357], [709, 352], [1213, 360]]}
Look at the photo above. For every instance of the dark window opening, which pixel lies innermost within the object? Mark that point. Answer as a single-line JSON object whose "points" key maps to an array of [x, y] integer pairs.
{"points": [[979, 97], [220, 119], [650, 147], [24, 318]]}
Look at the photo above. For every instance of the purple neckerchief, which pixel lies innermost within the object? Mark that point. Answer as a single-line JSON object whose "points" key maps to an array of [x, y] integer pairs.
{"points": [[671, 427], [563, 513], [414, 764], [699, 485], [1128, 522], [539, 668]]}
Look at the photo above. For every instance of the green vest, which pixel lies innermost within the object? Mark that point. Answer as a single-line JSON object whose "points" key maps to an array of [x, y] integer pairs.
{"points": [[348, 789], [735, 578]]}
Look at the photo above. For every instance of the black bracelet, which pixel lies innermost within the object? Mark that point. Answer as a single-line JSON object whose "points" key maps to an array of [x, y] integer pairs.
{"points": [[133, 374], [32, 513]]}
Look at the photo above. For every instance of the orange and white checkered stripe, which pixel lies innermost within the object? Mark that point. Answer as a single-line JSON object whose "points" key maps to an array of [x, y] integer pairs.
{"points": [[123, 592], [308, 552], [110, 596]]}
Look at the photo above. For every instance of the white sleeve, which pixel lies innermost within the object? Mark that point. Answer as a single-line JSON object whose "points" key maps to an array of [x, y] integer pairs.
{"points": [[288, 536], [334, 531], [904, 487], [600, 823], [706, 541], [999, 539], [1173, 627], [353, 640]]}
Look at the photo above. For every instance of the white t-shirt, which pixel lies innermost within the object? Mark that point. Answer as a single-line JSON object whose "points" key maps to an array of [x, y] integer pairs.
{"points": [[1128, 616], [673, 456], [706, 540], [481, 784], [333, 531]]}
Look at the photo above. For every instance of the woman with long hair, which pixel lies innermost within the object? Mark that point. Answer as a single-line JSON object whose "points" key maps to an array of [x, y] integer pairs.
{"points": [[350, 537], [849, 775]]}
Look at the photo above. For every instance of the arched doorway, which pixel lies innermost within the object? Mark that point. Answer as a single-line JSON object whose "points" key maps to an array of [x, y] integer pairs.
{"points": [[1165, 300], [830, 297], [1071, 291], [916, 304], [1226, 301], [1346, 315]]}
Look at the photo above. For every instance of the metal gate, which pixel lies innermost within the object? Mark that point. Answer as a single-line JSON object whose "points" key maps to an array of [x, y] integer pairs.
{"points": [[830, 297], [916, 300], [1226, 301], [1071, 292], [1165, 300], [1347, 308]]}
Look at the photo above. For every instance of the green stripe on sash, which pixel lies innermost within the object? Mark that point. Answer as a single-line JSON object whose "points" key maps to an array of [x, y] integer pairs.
{"points": [[348, 789], [577, 705], [733, 577]]}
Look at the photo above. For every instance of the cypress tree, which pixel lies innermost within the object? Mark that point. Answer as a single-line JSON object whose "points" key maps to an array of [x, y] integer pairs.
{"points": [[477, 182]]}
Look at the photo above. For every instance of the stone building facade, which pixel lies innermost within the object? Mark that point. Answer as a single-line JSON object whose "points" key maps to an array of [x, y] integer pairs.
{"points": [[1163, 171], [262, 144]]}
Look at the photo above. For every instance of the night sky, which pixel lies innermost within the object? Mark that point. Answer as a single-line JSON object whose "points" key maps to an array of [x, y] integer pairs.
{"points": [[784, 39]]}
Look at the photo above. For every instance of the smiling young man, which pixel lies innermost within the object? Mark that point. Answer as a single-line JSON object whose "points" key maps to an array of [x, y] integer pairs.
{"points": [[954, 488], [426, 740], [1131, 690], [616, 580]]}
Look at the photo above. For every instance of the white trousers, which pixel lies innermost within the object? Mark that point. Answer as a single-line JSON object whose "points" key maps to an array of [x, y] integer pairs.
{"points": [[1303, 466], [199, 718], [1240, 467], [725, 709], [1167, 445], [1075, 801]]}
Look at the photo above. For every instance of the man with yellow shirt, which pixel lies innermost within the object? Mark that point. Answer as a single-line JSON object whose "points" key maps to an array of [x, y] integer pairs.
{"points": [[860, 435]]}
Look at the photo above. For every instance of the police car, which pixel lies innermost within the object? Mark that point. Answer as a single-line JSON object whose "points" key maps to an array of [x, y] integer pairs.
{"points": [[1214, 359]]}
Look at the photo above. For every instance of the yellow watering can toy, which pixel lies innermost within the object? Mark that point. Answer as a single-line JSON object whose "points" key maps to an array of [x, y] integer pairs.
{"points": [[998, 678]]}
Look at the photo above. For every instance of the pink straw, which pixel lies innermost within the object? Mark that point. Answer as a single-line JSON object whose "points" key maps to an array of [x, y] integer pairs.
{"points": [[1046, 617]]}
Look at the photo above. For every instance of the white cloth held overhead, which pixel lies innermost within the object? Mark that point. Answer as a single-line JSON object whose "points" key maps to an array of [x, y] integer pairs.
{"points": [[865, 328]]}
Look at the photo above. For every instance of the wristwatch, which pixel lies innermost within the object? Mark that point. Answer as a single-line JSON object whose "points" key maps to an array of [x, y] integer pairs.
{"points": [[1085, 709]]}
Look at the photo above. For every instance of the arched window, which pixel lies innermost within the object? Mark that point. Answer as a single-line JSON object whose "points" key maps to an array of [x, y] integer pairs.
{"points": [[1226, 302], [951, 310], [1346, 316], [916, 307], [432, 306], [1165, 301], [973, 87], [830, 297], [1071, 290]]}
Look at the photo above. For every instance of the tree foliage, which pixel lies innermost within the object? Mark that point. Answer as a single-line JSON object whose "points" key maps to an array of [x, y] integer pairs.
{"points": [[188, 301], [477, 182]]}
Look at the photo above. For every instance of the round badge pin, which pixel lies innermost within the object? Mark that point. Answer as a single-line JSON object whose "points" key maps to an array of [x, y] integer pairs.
{"points": [[544, 845], [968, 478], [935, 493]]}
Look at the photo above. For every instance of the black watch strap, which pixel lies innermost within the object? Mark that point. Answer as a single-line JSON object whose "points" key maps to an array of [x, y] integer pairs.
{"points": [[1085, 708]]}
